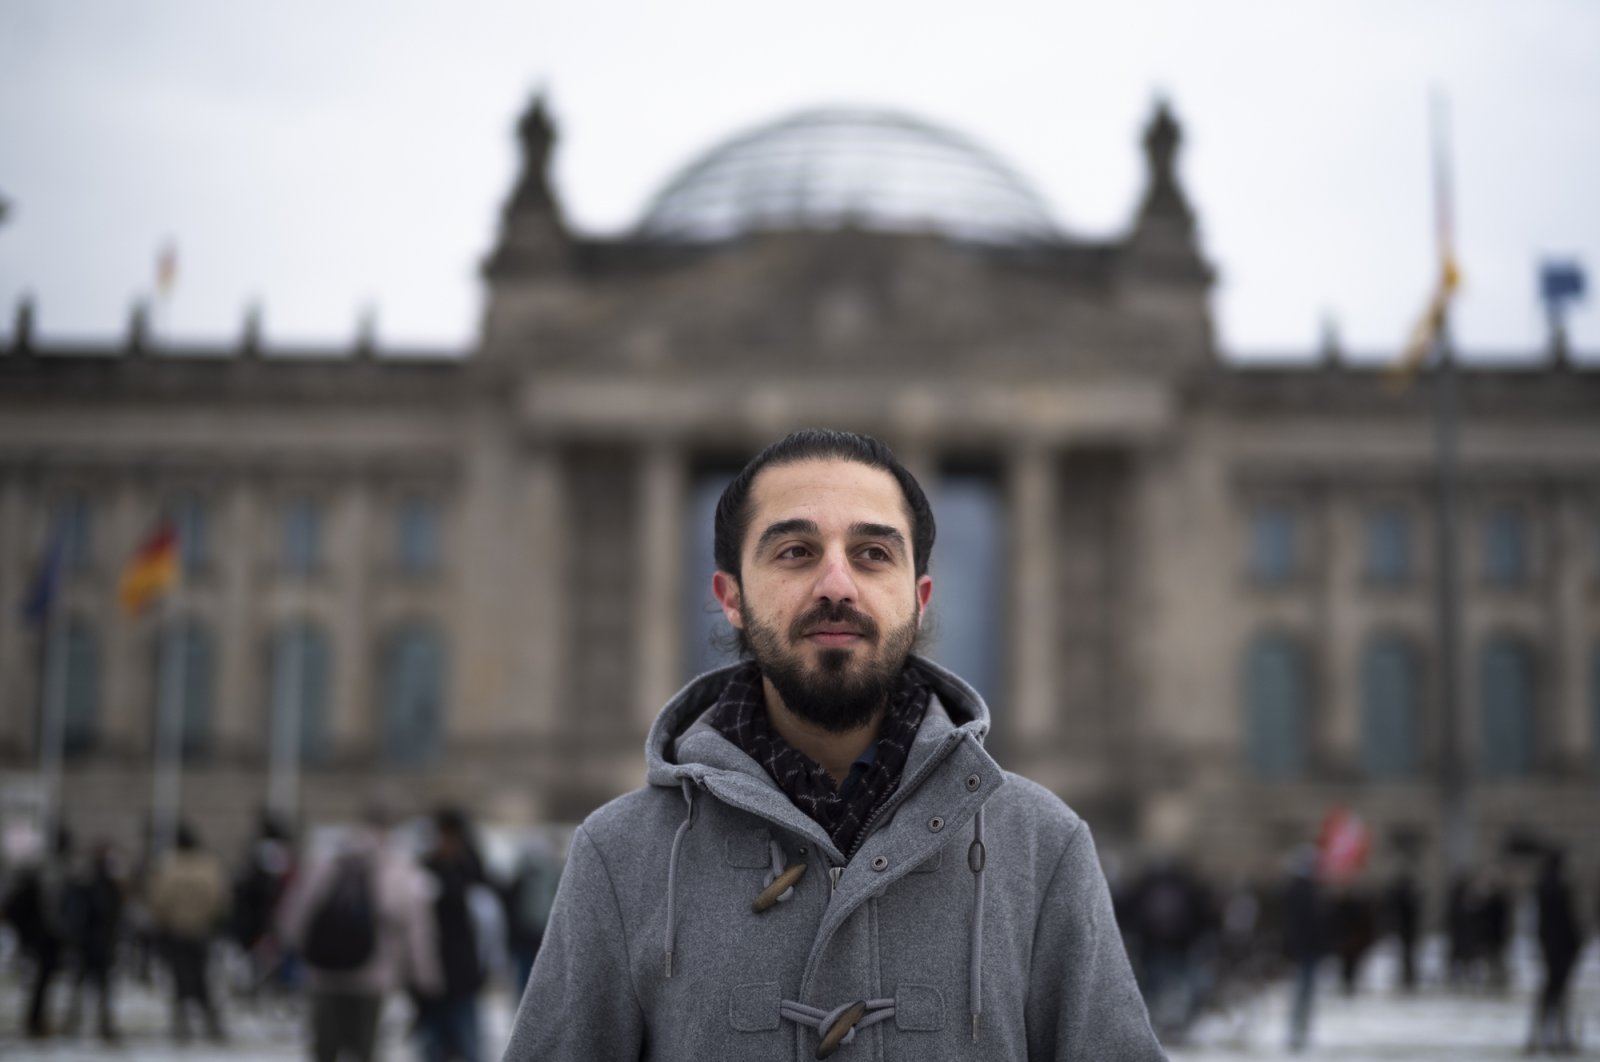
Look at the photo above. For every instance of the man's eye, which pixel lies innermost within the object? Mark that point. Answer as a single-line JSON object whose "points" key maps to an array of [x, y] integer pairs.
{"points": [[792, 552], [876, 553]]}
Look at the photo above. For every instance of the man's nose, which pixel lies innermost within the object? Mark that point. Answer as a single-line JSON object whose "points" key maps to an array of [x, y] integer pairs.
{"points": [[835, 581]]}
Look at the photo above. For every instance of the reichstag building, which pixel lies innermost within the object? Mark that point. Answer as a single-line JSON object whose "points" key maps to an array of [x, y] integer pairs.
{"points": [[1199, 595]]}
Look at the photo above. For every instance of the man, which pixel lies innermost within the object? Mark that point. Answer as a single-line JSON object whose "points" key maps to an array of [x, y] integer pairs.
{"points": [[363, 921], [825, 858], [189, 897]]}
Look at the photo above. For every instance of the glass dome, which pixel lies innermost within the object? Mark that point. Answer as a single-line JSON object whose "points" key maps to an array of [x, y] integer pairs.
{"points": [[832, 168]]}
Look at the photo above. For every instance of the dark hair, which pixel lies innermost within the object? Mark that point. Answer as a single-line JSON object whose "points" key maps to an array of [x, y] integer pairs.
{"points": [[807, 444]]}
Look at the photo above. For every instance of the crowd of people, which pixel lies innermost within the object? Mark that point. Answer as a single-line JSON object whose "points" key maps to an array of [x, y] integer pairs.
{"points": [[348, 926], [378, 915], [1196, 947]]}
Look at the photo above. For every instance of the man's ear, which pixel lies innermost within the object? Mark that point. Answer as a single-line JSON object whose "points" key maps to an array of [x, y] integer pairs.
{"points": [[924, 594], [725, 588]]}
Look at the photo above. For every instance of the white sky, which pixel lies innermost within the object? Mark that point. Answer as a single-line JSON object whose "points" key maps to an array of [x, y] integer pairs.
{"points": [[325, 156]]}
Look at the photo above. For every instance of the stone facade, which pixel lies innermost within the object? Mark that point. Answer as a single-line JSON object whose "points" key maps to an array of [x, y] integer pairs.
{"points": [[1129, 464]]}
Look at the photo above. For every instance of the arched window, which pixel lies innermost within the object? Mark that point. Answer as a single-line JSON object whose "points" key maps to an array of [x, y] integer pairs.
{"points": [[75, 664], [413, 693], [301, 670], [187, 658], [1507, 706], [1390, 707], [1275, 706], [968, 580]]}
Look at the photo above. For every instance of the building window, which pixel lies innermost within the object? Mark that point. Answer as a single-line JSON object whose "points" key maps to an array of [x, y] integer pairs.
{"points": [[413, 693], [75, 523], [189, 522], [707, 635], [1389, 547], [1505, 547], [1507, 697], [302, 537], [301, 670], [73, 675], [970, 580], [186, 671], [1272, 545], [417, 536], [1390, 708], [1276, 712]]}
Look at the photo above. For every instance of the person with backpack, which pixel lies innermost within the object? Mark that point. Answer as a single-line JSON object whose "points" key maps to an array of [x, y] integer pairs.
{"points": [[362, 921]]}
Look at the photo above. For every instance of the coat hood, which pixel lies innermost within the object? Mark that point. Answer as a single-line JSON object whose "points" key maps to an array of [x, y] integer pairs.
{"points": [[683, 721]]}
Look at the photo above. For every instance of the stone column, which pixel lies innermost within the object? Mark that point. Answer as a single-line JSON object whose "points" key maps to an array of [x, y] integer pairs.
{"points": [[663, 484], [128, 673], [16, 710], [543, 551], [1031, 483], [1567, 740], [355, 721], [1333, 556], [243, 682]]}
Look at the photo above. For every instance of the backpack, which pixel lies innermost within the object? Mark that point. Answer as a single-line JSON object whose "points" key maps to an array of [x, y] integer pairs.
{"points": [[343, 931]]}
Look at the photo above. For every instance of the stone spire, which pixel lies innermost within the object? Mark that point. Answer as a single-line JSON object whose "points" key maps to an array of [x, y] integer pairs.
{"points": [[1163, 244], [533, 234]]}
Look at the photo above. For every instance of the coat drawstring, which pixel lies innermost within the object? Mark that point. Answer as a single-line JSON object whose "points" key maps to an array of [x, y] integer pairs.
{"points": [[672, 869], [977, 855]]}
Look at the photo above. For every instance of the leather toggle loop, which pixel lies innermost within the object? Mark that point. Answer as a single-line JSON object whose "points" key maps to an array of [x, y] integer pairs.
{"points": [[842, 1027], [780, 884]]}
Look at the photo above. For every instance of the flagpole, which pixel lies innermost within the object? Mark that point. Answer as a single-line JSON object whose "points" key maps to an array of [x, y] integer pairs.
{"points": [[1454, 777], [52, 722], [168, 792]]}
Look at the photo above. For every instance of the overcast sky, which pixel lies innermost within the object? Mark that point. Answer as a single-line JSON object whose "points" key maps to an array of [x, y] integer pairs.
{"points": [[323, 157]]}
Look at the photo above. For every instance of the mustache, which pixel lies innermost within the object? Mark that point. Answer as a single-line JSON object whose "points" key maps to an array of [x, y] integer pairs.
{"points": [[835, 615]]}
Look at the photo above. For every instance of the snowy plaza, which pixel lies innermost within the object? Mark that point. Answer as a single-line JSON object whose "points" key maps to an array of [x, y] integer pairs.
{"points": [[1376, 1025]]}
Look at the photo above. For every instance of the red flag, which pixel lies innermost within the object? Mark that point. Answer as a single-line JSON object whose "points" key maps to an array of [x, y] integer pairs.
{"points": [[151, 571]]}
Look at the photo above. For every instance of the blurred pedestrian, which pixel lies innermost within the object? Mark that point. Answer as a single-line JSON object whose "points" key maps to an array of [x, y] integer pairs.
{"points": [[189, 898], [1169, 909], [258, 888], [35, 907], [1402, 903], [527, 902], [449, 1021], [1304, 939], [361, 919], [1494, 928], [1560, 942], [1353, 923], [1462, 925], [95, 915]]}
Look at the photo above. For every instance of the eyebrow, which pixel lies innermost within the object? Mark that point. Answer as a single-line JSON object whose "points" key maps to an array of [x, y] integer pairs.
{"points": [[858, 529]]}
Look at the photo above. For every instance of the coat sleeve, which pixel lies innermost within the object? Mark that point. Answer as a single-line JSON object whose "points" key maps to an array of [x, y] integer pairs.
{"points": [[1083, 1002], [580, 1003]]}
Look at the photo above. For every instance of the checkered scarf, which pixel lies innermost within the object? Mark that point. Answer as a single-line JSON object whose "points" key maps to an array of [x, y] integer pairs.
{"points": [[740, 715]]}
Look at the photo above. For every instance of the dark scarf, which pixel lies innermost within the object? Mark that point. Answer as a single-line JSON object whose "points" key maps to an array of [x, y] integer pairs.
{"points": [[740, 715]]}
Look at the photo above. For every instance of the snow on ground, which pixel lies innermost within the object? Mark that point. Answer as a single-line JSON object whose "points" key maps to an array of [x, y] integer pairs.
{"points": [[1375, 1025]]}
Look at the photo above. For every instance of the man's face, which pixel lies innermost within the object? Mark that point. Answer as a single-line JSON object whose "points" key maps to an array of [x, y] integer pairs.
{"points": [[829, 600]]}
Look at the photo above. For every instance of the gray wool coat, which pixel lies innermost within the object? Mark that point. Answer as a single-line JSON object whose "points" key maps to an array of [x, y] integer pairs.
{"points": [[963, 935]]}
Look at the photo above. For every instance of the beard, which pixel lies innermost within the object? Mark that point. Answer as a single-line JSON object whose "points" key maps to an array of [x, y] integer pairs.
{"points": [[841, 692]]}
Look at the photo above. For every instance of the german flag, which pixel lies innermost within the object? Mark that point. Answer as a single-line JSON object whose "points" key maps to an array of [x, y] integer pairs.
{"points": [[152, 570]]}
